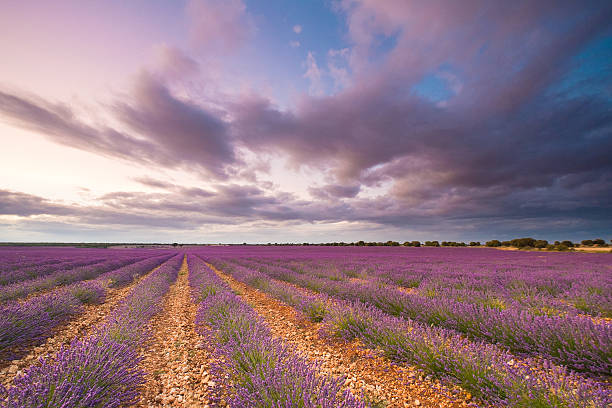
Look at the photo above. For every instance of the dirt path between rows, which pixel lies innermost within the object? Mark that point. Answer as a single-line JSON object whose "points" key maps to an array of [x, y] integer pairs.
{"points": [[391, 385], [80, 326], [177, 372]]}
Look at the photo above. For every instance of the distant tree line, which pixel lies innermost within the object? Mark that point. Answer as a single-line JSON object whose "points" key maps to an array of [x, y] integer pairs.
{"points": [[521, 243], [527, 243]]}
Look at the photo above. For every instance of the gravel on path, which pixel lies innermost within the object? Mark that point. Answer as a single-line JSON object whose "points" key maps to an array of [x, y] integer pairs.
{"points": [[177, 368]]}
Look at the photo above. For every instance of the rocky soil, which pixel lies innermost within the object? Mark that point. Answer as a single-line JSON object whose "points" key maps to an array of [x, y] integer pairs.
{"points": [[383, 382], [176, 366]]}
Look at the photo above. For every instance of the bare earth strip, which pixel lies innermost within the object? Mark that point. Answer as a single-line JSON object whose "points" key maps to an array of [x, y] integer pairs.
{"points": [[176, 366], [396, 385], [80, 326]]}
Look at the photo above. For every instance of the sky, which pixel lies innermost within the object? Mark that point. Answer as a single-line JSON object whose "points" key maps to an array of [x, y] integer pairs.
{"points": [[305, 121]]}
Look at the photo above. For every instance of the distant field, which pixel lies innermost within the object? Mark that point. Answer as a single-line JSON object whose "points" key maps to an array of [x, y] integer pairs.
{"points": [[249, 326], [593, 249]]}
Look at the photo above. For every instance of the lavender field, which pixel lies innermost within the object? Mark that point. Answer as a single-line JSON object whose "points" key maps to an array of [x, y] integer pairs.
{"points": [[265, 326]]}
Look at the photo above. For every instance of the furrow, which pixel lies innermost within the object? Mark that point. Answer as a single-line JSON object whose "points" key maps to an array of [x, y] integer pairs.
{"points": [[379, 379], [176, 367]]}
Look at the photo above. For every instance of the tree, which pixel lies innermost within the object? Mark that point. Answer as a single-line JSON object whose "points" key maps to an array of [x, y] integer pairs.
{"points": [[523, 242], [568, 244], [474, 243], [432, 243], [493, 243], [416, 243], [587, 242], [175, 244], [599, 241], [540, 243]]}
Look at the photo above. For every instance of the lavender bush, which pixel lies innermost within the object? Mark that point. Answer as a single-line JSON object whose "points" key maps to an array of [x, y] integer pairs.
{"points": [[100, 371], [574, 341], [260, 371], [32, 321]]}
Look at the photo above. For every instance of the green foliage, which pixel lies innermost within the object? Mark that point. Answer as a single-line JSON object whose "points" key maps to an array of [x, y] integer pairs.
{"points": [[315, 311]]}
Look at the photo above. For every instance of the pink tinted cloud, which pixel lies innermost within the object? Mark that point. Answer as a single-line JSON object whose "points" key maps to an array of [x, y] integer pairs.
{"points": [[172, 63], [218, 26], [498, 143]]}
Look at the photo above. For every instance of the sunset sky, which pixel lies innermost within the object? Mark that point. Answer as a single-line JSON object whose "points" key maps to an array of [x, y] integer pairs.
{"points": [[292, 121]]}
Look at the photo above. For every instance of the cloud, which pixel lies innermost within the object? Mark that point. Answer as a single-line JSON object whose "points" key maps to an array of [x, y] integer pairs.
{"points": [[339, 73], [501, 145], [219, 26], [25, 205], [313, 74], [167, 131], [294, 44], [343, 52], [335, 191], [297, 29], [172, 63], [187, 132], [155, 183], [59, 123], [514, 145]]}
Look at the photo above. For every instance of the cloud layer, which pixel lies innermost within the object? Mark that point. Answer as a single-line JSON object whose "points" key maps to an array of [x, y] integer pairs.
{"points": [[445, 113]]}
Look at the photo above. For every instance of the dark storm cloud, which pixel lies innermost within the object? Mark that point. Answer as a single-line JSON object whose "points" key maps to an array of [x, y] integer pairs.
{"points": [[503, 115], [506, 142]]}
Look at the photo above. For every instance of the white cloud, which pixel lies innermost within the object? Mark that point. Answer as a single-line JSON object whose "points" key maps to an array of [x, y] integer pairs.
{"points": [[297, 28], [336, 65], [294, 44], [313, 73], [344, 52]]}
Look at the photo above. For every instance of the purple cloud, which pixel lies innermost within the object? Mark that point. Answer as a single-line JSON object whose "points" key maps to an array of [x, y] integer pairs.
{"points": [[508, 137], [218, 26], [175, 133]]}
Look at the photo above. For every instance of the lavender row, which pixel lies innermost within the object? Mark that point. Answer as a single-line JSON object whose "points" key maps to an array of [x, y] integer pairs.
{"points": [[33, 321], [15, 258], [574, 341], [481, 368], [538, 291], [102, 370], [257, 369], [17, 264], [40, 270], [581, 281], [61, 277]]}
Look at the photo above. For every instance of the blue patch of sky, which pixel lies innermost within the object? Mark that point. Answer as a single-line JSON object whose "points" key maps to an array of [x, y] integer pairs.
{"points": [[322, 29], [434, 86], [382, 45], [590, 72]]}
